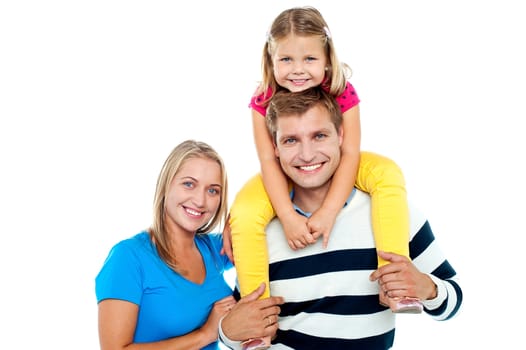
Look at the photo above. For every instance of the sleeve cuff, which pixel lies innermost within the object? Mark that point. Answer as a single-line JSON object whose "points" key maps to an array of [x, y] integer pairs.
{"points": [[432, 304], [232, 344]]}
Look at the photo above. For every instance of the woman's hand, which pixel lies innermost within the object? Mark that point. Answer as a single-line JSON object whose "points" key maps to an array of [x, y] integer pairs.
{"points": [[220, 308]]}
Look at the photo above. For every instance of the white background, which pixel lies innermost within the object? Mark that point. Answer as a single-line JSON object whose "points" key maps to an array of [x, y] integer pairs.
{"points": [[95, 94]]}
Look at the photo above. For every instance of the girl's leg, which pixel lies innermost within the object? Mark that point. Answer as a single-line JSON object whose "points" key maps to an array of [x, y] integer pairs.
{"points": [[250, 213], [384, 181]]}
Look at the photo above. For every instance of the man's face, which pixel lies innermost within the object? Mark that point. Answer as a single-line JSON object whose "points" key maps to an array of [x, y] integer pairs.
{"points": [[308, 147]]}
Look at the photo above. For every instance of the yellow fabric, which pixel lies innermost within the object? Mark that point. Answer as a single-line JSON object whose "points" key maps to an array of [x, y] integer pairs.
{"points": [[384, 181], [251, 212]]}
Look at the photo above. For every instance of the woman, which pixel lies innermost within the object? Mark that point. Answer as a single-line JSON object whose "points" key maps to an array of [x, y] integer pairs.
{"points": [[164, 288]]}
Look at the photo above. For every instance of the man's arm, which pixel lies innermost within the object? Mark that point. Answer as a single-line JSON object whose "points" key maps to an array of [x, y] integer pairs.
{"points": [[250, 318], [429, 276]]}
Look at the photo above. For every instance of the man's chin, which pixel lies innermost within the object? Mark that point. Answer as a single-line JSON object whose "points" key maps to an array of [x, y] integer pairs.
{"points": [[309, 184]]}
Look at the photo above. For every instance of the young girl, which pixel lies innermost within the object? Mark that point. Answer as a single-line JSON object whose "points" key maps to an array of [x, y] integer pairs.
{"points": [[299, 54]]}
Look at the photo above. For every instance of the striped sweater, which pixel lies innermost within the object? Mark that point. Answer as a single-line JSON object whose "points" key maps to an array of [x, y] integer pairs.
{"points": [[330, 302]]}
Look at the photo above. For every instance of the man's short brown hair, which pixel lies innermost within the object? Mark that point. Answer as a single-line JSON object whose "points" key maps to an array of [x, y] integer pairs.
{"points": [[286, 103]]}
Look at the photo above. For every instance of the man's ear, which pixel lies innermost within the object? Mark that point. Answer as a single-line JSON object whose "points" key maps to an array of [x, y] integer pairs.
{"points": [[276, 151], [340, 135]]}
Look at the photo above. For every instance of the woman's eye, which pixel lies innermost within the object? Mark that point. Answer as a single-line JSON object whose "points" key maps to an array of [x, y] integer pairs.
{"points": [[213, 191], [188, 184]]}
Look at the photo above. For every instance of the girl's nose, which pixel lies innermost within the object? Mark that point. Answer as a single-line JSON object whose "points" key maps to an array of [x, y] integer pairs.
{"points": [[298, 68]]}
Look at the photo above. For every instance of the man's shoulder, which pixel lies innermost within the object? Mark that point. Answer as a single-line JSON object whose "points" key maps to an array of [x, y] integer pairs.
{"points": [[362, 199]]}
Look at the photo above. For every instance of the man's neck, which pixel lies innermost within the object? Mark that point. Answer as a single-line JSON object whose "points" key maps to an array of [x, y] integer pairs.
{"points": [[309, 199]]}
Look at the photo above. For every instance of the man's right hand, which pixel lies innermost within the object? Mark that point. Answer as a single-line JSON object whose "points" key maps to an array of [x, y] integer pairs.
{"points": [[252, 317]]}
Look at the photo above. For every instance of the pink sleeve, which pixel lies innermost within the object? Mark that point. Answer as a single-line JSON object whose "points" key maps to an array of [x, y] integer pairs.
{"points": [[348, 99], [255, 104]]}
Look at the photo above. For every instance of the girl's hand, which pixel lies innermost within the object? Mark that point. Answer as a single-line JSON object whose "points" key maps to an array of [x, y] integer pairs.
{"points": [[296, 231], [227, 241], [220, 308], [320, 224]]}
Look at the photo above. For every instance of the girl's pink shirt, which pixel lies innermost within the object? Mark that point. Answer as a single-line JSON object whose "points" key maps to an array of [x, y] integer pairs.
{"points": [[347, 100]]}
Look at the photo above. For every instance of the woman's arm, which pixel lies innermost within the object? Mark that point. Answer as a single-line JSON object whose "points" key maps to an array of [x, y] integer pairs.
{"points": [[118, 319]]}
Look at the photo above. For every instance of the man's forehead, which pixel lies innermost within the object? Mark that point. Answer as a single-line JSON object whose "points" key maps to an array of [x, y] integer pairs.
{"points": [[315, 117]]}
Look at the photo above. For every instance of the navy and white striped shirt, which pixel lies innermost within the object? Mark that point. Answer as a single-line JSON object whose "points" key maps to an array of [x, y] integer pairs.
{"points": [[330, 302]]}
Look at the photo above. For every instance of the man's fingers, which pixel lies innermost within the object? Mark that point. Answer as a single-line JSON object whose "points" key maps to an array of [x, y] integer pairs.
{"points": [[255, 294]]}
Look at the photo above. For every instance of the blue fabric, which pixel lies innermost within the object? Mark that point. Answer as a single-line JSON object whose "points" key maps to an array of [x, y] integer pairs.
{"points": [[169, 304]]}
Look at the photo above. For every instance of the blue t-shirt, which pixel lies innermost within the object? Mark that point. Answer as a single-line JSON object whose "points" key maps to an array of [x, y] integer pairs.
{"points": [[169, 304]]}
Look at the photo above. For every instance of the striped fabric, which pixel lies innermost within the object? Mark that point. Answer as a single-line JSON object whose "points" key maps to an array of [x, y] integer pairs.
{"points": [[330, 302]]}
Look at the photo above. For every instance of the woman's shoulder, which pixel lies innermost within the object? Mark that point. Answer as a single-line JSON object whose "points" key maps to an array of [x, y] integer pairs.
{"points": [[135, 242]]}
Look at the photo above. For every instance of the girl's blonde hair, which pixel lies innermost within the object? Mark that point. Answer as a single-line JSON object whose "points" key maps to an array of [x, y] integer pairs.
{"points": [[302, 21], [180, 154]]}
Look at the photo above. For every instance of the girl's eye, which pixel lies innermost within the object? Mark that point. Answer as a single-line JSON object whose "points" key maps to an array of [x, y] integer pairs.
{"points": [[285, 59], [310, 59]]}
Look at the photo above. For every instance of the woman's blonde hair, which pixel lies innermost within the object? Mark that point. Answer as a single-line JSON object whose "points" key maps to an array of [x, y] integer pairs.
{"points": [[302, 21], [180, 154]]}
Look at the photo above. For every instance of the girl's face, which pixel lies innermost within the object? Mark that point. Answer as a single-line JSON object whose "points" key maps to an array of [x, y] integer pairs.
{"points": [[194, 195], [299, 62]]}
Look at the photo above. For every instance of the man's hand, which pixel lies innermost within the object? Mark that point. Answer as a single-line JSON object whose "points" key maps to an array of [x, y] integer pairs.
{"points": [[400, 278], [252, 318]]}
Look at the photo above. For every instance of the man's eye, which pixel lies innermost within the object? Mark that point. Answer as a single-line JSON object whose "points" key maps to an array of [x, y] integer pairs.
{"points": [[320, 136], [289, 141]]}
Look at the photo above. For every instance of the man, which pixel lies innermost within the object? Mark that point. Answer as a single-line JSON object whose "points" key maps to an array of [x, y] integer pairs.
{"points": [[331, 295]]}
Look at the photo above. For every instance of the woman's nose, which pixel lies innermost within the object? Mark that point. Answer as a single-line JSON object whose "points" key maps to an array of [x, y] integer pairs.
{"points": [[199, 198]]}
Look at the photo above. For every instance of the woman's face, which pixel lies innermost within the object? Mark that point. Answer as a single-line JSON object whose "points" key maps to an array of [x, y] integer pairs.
{"points": [[194, 195]]}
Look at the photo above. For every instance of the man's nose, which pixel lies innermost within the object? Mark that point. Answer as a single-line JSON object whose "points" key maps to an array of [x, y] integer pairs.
{"points": [[307, 151]]}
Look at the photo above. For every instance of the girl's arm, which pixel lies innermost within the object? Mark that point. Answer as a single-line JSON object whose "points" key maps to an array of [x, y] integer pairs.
{"points": [[343, 181], [277, 187]]}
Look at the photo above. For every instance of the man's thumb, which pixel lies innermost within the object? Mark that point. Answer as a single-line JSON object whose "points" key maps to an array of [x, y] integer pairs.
{"points": [[255, 294]]}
